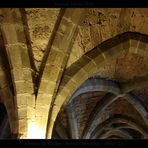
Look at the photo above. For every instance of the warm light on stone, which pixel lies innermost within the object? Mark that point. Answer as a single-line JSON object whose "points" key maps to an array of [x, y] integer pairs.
{"points": [[35, 131]]}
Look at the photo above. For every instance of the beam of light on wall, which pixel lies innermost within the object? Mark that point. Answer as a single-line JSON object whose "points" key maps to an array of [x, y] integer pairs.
{"points": [[35, 131]]}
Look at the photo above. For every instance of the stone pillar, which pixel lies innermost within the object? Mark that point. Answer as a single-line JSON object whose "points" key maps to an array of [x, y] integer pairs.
{"points": [[17, 52]]}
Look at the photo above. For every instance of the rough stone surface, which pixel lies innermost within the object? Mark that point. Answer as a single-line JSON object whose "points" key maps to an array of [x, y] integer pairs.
{"points": [[121, 106], [101, 24], [41, 22], [125, 67], [85, 103], [143, 94]]}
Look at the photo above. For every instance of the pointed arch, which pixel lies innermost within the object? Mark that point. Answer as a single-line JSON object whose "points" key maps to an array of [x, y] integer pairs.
{"points": [[119, 119], [116, 132], [12, 29], [89, 64]]}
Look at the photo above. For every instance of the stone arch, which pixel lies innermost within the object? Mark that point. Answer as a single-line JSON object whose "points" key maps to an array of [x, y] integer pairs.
{"points": [[89, 64], [14, 38], [117, 132], [95, 84], [120, 119], [6, 89]]}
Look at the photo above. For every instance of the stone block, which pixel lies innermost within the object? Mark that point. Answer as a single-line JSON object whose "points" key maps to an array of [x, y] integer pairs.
{"points": [[43, 99], [22, 112], [59, 40], [92, 68], [72, 70], [65, 80], [71, 88], [61, 98], [15, 55], [42, 111], [79, 77], [25, 57], [12, 15], [21, 100], [51, 87], [99, 60], [30, 112], [16, 16], [93, 53], [133, 50], [21, 38], [113, 52], [43, 86], [56, 58], [29, 87], [24, 87], [66, 26], [126, 45], [30, 100], [142, 53], [42, 123], [83, 61], [22, 125], [134, 43], [142, 45], [74, 14], [51, 73], [9, 33], [27, 75], [18, 74]]}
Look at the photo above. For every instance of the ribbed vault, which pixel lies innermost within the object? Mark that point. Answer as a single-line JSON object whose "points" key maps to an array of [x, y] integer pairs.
{"points": [[74, 73], [100, 120]]}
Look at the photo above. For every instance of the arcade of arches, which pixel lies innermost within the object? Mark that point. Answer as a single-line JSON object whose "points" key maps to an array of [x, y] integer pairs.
{"points": [[74, 73]]}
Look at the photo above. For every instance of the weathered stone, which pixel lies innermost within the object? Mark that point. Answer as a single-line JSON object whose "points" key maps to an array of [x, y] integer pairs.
{"points": [[42, 110], [9, 34], [99, 60], [142, 46], [20, 34], [92, 68], [66, 27], [113, 52], [134, 43], [22, 112], [121, 56], [126, 45], [43, 99], [27, 74], [40, 28], [22, 126], [30, 100], [51, 72], [24, 87], [60, 42], [25, 57], [22, 100], [43, 86], [80, 77], [72, 14], [15, 56], [18, 74], [30, 112], [56, 58], [3, 81]]}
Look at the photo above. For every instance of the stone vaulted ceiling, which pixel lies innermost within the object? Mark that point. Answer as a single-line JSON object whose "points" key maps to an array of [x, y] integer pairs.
{"points": [[74, 73]]}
